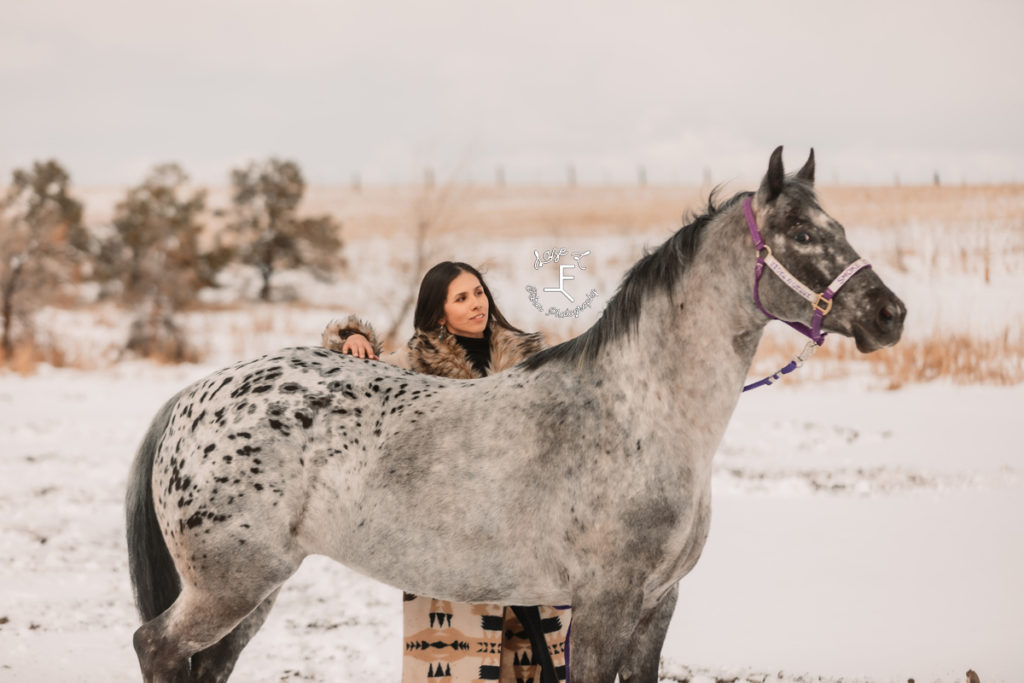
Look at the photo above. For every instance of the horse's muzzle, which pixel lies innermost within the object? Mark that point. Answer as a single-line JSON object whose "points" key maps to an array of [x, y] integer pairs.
{"points": [[885, 326]]}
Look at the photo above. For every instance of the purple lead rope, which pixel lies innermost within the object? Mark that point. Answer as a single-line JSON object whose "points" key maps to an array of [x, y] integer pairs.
{"points": [[797, 361]]}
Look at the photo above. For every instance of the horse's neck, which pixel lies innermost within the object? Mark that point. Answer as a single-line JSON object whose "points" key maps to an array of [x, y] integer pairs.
{"points": [[691, 353]]}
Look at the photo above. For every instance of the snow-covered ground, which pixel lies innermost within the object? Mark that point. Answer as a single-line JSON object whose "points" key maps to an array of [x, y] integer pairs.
{"points": [[864, 533], [856, 534]]}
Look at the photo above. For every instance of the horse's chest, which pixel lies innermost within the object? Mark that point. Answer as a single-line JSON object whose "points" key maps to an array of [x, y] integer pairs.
{"points": [[683, 548]]}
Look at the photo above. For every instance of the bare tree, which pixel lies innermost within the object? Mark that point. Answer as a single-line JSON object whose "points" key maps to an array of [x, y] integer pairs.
{"points": [[432, 208], [267, 232], [42, 240]]}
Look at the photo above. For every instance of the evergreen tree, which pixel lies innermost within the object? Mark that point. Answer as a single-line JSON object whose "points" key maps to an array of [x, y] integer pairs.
{"points": [[154, 259], [154, 251], [267, 232]]}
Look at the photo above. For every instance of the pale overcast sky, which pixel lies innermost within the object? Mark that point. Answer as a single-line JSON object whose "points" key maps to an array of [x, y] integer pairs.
{"points": [[384, 89]]}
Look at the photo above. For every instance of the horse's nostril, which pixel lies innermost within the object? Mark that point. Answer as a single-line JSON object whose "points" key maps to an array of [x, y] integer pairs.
{"points": [[890, 316]]}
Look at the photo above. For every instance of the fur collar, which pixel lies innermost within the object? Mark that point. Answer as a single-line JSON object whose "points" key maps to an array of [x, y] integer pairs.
{"points": [[431, 354]]}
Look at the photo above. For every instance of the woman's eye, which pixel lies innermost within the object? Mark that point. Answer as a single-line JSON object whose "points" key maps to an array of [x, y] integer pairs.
{"points": [[802, 237]]}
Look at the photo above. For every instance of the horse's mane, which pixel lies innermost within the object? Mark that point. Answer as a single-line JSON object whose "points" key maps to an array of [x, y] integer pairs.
{"points": [[660, 268]]}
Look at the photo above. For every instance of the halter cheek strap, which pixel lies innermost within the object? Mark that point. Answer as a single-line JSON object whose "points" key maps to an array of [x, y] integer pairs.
{"points": [[822, 303]]}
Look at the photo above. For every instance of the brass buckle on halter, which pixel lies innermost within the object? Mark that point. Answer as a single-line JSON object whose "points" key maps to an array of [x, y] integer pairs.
{"points": [[822, 308]]}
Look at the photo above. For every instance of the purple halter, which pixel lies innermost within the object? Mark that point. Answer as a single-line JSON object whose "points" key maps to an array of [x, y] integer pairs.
{"points": [[822, 302]]}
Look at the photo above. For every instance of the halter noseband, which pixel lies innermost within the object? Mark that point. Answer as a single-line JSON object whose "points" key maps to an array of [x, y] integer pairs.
{"points": [[822, 303]]}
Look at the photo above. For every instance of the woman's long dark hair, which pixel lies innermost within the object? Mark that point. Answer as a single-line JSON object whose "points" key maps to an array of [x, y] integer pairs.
{"points": [[434, 292]]}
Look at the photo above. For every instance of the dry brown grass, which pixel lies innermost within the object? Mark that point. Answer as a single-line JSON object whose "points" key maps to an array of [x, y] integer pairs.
{"points": [[964, 359], [977, 231], [960, 358], [171, 352], [27, 356], [596, 210], [509, 211], [952, 205]]}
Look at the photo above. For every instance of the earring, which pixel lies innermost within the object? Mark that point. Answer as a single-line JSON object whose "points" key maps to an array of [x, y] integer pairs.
{"points": [[441, 332]]}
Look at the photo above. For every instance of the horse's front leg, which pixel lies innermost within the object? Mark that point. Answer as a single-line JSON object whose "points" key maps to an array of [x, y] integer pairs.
{"points": [[640, 664], [602, 623]]}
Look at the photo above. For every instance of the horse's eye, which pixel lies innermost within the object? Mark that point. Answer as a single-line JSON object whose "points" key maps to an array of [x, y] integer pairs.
{"points": [[802, 237]]}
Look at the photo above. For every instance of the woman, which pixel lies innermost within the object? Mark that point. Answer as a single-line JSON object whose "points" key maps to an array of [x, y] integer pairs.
{"points": [[460, 333]]}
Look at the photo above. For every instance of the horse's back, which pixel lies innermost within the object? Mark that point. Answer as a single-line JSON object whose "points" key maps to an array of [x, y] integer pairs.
{"points": [[307, 451], [243, 446]]}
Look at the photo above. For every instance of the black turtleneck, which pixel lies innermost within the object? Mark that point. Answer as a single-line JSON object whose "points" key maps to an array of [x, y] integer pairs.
{"points": [[478, 350]]}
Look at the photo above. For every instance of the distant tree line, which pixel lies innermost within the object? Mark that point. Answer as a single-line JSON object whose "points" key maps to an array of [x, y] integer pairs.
{"points": [[157, 253]]}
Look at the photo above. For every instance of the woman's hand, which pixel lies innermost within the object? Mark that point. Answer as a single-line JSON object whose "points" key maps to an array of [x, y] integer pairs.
{"points": [[359, 346]]}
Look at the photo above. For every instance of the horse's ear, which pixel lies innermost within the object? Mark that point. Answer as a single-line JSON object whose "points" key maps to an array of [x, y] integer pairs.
{"points": [[807, 172], [771, 186]]}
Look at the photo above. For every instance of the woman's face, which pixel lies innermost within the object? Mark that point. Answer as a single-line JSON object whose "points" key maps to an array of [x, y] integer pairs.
{"points": [[465, 308]]}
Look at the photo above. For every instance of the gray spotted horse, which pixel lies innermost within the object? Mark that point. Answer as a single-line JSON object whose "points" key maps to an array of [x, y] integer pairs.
{"points": [[604, 441]]}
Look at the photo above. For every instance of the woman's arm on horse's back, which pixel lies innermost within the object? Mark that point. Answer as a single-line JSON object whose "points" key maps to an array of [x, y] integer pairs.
{"points": [[339, 330]]}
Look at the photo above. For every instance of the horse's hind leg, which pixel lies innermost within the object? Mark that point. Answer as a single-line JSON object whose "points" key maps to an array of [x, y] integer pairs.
{"points": [[215, 663], [640, 664], [197, 620]]}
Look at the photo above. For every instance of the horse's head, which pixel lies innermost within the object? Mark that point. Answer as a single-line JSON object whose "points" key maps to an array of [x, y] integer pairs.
{"points": [[812, 247]]}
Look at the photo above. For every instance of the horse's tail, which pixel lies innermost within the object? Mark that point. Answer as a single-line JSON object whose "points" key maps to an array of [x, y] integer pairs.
{"points": [[154, 578]]}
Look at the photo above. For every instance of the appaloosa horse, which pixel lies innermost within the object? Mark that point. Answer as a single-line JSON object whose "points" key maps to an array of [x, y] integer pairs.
{"points": [[600, 448]]}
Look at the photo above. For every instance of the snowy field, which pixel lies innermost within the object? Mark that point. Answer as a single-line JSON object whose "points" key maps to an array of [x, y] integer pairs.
{"points": [[858, 534]]}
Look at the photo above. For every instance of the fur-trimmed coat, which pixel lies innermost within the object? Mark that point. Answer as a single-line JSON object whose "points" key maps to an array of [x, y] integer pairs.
{"points": [[429, 353]]}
